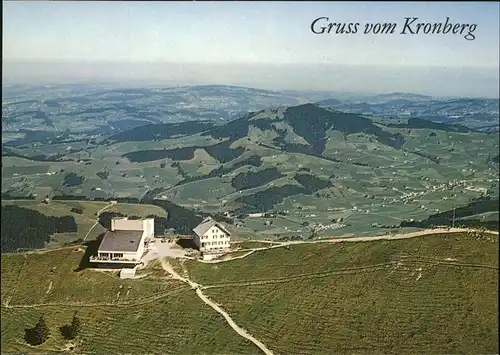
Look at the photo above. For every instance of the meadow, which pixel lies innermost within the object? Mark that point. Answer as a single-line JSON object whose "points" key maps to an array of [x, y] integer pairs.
{"points": [[150, 315], [435, 294], [432, 294]]}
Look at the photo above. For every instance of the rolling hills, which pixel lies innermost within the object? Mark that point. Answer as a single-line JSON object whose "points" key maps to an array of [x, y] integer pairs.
{"points": [[300, 163]]}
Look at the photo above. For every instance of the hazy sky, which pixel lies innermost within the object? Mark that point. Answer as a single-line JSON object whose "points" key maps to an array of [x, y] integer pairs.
{"points": [[265, 44]]}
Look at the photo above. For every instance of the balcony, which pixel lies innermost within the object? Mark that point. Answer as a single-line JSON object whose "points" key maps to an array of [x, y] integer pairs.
{"points": [[100, 259]]}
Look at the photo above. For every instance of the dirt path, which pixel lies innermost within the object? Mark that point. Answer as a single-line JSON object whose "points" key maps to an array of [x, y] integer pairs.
{"points": [[137, 302], [197, 287], [352, 270], [96, 221], [49, 288], [352, 239]]}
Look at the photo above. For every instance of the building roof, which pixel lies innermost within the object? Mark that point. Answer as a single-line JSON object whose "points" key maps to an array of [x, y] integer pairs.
{"points": [[117, 241], [206, 224]]}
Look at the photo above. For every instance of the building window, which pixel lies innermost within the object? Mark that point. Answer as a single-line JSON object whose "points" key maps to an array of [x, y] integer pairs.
{"points": [[118, 255]]}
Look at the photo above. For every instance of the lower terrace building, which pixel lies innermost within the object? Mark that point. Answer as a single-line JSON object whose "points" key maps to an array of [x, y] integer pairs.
{"points": [[125, 243]]}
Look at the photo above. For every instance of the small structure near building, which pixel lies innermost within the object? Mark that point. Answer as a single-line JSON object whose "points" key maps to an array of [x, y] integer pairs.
{"points": [[125, 243], [127, 274], [211, 238]]}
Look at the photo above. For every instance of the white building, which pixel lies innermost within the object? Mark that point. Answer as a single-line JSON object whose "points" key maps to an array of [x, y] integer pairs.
{"points": [[125, 242], [211, 237]]}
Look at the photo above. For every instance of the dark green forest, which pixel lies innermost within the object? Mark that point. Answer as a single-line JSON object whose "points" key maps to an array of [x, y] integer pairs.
{"points": [[244, 181], [24, 228], [220, 151], [446, 218]]}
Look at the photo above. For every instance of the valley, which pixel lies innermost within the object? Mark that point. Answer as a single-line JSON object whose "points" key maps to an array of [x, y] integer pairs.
{"points": [[280, 173]]}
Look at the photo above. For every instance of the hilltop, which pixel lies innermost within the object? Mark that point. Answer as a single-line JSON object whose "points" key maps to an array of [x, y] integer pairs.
{"points": [[431, 294]]}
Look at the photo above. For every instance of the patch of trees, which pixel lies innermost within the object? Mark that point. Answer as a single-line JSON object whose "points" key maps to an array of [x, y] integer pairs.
{"points": [[71, 331], [103, 175], [40, 333], [233, 130], [7, 152], [183, 220], [8, 196], [220, 151], [445, 218], [85, 198], [106, 217], [250, 180], [151, 132], [311, 183], [180, 170], [254, 160], [312, 123], [150, 195], [427, 124], [223, 153], [77, 210], [264, 201], [35, 229], [141, 156], [433, 158], [72, 179]]}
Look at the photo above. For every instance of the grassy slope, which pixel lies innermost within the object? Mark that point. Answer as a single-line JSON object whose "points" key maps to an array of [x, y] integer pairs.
{"points": [[148, 315], [384, 303], [384, 308]]}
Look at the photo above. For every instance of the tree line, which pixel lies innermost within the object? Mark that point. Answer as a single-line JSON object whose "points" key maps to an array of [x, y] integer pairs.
{"points": [[40, 333], [25, 228]]}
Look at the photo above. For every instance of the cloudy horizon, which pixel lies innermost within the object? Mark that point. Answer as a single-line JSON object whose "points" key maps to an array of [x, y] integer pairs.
{"points": [[263, 45]]}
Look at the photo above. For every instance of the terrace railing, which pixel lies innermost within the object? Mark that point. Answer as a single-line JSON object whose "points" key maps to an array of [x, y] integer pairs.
{"points": [[108, 259]]}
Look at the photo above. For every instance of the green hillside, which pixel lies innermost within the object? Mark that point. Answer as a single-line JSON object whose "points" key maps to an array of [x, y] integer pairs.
{"points": [[426, 295]]}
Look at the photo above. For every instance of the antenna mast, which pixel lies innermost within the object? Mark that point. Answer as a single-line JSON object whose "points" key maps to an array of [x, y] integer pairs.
{"points": [[453, 220]]}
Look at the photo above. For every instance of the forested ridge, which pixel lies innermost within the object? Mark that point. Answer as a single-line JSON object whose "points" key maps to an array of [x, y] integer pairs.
{"points": [[25, 228]]}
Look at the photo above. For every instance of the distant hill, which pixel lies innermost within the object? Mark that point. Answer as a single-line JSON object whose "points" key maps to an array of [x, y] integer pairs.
{"points": [[306, 130], [329, 103], [397, 96], [310, 123]]}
